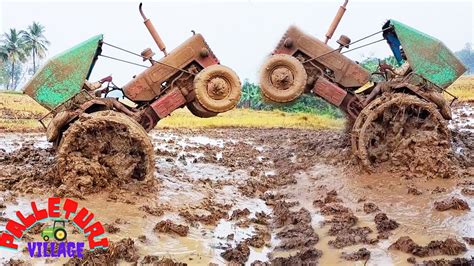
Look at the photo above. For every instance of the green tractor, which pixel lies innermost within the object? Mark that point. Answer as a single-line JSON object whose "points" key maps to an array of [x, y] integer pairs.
{"points": [[57, 231]]}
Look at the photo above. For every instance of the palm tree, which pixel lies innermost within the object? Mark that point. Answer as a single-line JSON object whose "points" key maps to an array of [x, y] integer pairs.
{"points": [[36, 42], [14, 50]]}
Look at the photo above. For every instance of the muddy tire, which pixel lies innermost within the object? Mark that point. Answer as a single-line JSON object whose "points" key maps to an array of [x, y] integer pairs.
{"points": [[103, 149], [196, 109], [282, 78], [403, 131], [361, 118], [217, 88]]}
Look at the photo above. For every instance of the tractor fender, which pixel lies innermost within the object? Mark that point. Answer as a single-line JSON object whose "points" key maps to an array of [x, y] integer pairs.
{"points": [[430, 96], [62, 119]]}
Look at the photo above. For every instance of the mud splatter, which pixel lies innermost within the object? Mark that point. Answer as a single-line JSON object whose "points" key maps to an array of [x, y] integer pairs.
{"points": [[452, 203], [169, 227]]}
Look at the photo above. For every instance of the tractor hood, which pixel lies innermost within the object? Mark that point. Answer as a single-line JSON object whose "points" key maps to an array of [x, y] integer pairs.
{"points": [[427, 56], [63, 76]]}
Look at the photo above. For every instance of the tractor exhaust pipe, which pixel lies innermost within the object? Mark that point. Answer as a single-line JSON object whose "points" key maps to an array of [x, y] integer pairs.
{"points": [[336, 20], [153, 32]]}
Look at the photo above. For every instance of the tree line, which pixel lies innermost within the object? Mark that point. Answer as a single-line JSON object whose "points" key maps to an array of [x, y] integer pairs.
{"points": [[19, 47]]}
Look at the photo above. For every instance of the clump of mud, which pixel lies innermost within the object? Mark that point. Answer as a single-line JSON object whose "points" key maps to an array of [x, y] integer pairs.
{"points": [[295, 232], [451, 203], [171, 228], [104, 149], [449, 247], [467, 191], [215, 211], [343, 224], [361, 254], [155, 211], [240, 254], [370, 207], [385, 224], [237, 214], [260, 238], [331, 197], [455, 261], [414, 191], [307, 256], [111, 229]]}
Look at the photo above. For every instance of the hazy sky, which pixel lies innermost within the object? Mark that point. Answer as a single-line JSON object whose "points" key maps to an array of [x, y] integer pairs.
{"points": [[241, 33]]}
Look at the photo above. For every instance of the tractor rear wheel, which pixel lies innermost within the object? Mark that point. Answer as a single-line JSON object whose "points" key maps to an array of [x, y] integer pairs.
{"points": [[104, 148], [217, 88], [402, 130], [282, 78]]}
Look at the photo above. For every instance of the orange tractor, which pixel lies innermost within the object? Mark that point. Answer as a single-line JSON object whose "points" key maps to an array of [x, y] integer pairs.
{"points": [[88, 126], [395, 112]]}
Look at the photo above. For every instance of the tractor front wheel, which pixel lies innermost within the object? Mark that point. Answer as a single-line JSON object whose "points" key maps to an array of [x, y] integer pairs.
{"points": [[217, 88], [102, 149], [282, 78]]}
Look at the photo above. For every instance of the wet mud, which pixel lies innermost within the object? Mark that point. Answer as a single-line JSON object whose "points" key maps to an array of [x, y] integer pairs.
{"points": [[256, 197]]}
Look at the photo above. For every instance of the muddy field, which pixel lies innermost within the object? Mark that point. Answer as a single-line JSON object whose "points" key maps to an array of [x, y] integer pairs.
{"points": [[259, 196]]}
